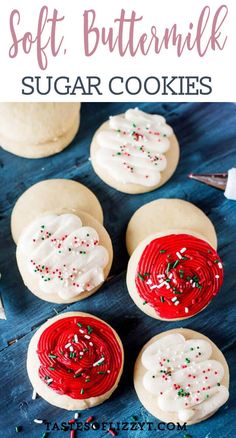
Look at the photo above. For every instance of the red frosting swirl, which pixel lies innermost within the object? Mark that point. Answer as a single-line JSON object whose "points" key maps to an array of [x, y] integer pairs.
{"points": [[178, 275], [79, 356]]}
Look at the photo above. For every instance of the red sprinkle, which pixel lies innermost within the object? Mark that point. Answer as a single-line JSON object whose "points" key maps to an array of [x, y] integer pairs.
{"points": [[89, 419], [112, 432], [71, 421], [72, 434]]}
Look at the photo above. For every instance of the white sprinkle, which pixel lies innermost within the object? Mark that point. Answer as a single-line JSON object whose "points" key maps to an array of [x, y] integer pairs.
{"points": [[194, 284], [81, 331], [176, 303], [49, 381], [160, 276], [220, 265], [149, 281], [81, 353], [170, 275], [76, 339], [179, 255], [191, 281], [34, 395], [167, 285], [183, 250], [155, 286], [186, 310], [90, 343], [38, 421], [217, 276], [108, 371], [71, 348], [68, 345], [99, 361], [87, 337], [174, 299], [76, 416]]}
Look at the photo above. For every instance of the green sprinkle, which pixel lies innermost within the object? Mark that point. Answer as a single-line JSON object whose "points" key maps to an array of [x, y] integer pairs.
{"points": [[216, 261], [162, 251], [52, 356], [162, 299], [168, 267], [51, 368], [141, 276], [175, 263], [101, 372], [82, 391], [187, 436], [146, 274], [18, 428], [87, 380], [90, 330], [145, 302], [78, 375], [185, 258], [80, 325], [44, 435], [187, 360], [134, 418], [118, 153]]}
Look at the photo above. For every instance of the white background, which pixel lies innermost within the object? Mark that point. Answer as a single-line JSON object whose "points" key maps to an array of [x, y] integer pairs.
{"points": [[221, 66]]}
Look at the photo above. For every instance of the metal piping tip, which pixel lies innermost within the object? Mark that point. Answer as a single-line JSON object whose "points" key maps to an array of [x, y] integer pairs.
{"points": [[217, 180]]}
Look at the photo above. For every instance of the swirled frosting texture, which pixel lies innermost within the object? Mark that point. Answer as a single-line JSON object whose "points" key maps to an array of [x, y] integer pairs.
{"points": [[183, 378], [64, 256], [178, 275], [132, 148], [79, 357]]}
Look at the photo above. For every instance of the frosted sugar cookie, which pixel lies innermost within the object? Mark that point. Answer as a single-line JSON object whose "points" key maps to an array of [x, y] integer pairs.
{"points": [[181, 376], [135, 152], [174, 276], [75, 361], [162, 215], [53, 196], [35, 130], [64, 258]]}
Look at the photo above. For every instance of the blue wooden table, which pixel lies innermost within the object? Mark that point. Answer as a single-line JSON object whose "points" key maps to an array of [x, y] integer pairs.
{"points": [[207, 135]]}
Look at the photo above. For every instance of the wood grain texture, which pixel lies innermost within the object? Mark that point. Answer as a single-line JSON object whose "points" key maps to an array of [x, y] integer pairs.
{"points": [[207, 136]]}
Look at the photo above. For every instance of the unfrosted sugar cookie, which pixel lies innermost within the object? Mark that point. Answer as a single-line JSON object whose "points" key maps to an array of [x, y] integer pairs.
{"points": [[135, 152], [181, 376], [35, 130], [174, 276], [163, 215], [64, 258], [53, 196], [75, 361]]}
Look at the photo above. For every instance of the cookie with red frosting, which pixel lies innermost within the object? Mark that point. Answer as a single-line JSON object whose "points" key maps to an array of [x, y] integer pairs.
{"points": [[75, 361], [174, 276]]}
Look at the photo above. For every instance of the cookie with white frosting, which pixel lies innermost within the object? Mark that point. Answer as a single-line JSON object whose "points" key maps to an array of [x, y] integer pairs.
{"points": [[35, 130], [64, 258], [135, 152], [53, 196], [181, 376], [75, 361]]}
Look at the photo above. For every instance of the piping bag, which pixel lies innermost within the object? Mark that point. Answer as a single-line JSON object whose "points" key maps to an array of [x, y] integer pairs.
{"points": [[223, 181]]}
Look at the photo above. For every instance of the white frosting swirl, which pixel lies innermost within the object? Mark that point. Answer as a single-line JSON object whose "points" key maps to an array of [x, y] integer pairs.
{"points": [[132, 148], [65, 257], [183, 378]]}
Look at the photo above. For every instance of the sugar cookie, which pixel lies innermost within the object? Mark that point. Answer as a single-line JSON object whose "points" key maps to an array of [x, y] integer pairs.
{"points": [[135, 152], [174, 276], [64, 258], [167, 214], [53, 196], [75, 361], [181, 376], [35, 130]]}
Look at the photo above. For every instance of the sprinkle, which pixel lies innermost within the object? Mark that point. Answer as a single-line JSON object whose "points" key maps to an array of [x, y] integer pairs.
{"points": [[162, 299], [220, 265], [174, 299], [217, 276], [51, 368], [68, 345], [175, 263], [183, 250], [71, 421], [134, 418], [179, 255], [90, 330], [72, 433], [34, 395], [38, 421], [44, 435], [81, 331], [52, 356], [49, 381], [162, 251], [89, 419], [78, 323], [76, 416], [91, 344], [112, 432], [76, 339], [82, 391], [18, 428], [168, 267], [186, 309], [71, 348], [141, 276], [99, 362], [176, 303], [87, 337]]}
